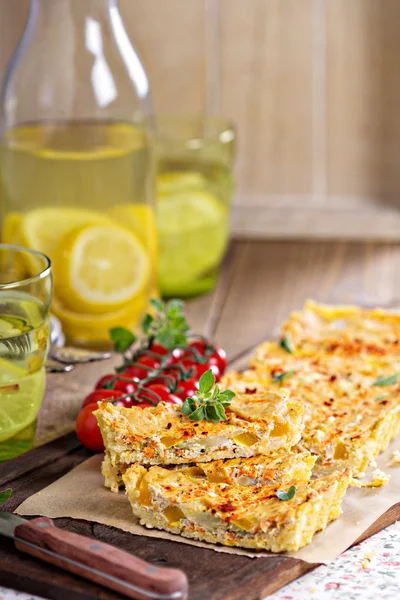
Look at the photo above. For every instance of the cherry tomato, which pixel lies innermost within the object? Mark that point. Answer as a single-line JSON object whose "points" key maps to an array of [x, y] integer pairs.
{"points": [[218, 358], [149, 362], [159, 349], [88, 430], [199, 345], [186, 389], [124, 383], [176, 356], [200, 369], [125, 402], [98, 395], [160, 389], [163, 393]]}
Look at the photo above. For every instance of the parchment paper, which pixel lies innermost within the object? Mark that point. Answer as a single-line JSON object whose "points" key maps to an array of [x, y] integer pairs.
{"points": [[81, 495]]}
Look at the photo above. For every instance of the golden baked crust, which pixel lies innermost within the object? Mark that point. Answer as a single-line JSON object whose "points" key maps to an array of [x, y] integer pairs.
{"points": [[164, 435], [346, 330], [234, 515], [346, 379], [280, 467]]}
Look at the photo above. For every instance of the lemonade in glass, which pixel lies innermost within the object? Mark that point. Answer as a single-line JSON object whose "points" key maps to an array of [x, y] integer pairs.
{"points": [[25, 296], [194, 194]]}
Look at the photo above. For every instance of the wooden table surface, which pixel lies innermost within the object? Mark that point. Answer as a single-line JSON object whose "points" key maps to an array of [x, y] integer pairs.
{"points": [[259, 285], [261, 282]]}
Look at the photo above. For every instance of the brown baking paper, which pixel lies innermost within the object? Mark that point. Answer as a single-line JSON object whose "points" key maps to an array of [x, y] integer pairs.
{"points": [[81, 495]]}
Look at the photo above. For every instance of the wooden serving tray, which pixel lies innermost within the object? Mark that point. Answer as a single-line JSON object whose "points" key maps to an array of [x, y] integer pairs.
{"points": [[212, 575]]}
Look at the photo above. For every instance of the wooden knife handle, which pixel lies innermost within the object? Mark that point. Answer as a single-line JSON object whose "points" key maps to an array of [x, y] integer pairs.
{"points": [[101, 563]]}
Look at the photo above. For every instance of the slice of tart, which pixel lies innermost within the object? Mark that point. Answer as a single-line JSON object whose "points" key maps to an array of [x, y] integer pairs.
{"points": [[257, 424], [279, 467], [278, 518]]}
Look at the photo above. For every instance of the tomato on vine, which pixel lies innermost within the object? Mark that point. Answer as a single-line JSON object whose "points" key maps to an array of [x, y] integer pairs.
{"points": [[88, 430]]}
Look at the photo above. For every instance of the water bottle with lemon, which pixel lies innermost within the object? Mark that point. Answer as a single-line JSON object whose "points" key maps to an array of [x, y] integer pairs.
{"points": [[77, 164]]}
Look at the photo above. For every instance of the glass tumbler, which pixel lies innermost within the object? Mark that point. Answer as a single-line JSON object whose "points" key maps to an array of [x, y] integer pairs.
{"points": [[25, 296], [195, 158]]}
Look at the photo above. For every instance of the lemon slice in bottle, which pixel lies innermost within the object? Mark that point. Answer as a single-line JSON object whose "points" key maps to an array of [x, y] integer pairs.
{"points": [[21, 397], [100, 268], [93, 329], [174, 181], [12, 228], [43, 228], [141, 219], [193, 232]]}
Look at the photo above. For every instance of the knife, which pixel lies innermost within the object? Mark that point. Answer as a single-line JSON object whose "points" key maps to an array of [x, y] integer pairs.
{"points": [[94, 560]]}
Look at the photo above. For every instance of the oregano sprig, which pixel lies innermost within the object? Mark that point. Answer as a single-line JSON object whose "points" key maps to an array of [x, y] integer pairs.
{"points": [[169, 325], [209, 403], [4, 495]]}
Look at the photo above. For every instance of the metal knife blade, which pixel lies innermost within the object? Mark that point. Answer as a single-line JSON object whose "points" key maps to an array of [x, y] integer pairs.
{"points": [[8, 523]]}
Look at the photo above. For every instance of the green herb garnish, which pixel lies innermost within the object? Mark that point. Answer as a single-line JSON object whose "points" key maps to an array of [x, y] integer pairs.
{"points": [[4, 495], [384, 381], [287, 343], [287, 495], [123, 338], [209, 404], [169, 325], [379, 398], [284, 375]]}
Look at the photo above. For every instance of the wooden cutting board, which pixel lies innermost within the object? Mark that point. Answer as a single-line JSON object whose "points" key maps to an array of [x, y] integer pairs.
{"points": [[260, 284], [212, 576]]}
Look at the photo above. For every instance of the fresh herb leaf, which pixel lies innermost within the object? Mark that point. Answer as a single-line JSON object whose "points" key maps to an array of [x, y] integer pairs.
{"points": [[188, 406], [157, 304], [384, 381], [287, 495], [284, 375], [123, 338], [227, 395], [379, 398], [146, 323], [4, 495], [287, 343], [209, 402], [206, 382], [168, 325]]}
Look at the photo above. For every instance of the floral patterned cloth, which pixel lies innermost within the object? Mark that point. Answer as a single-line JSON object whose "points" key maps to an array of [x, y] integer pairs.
{"points": [[367, 571]]}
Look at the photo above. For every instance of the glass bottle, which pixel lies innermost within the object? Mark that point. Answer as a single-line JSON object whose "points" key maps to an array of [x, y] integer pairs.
{"points": [[76, 162]]}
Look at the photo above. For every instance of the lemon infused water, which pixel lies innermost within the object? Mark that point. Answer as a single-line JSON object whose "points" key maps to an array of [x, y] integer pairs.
{"points": [[194, 196], [73, 190]]}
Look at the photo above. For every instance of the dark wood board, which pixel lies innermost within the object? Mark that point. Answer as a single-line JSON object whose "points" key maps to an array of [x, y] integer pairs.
{"points": [[260, 284], [212, 576]]}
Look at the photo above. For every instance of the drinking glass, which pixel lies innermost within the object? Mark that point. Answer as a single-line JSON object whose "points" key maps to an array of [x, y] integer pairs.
{"points": [[25, 296], [195, 158]]}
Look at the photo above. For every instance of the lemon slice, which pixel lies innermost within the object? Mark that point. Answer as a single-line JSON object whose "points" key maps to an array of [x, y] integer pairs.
{"points": [[193, 232], [93, 329], [20, 402], [43, 228], [173, 181], [141, 219], [99, 268], [12, 227]]}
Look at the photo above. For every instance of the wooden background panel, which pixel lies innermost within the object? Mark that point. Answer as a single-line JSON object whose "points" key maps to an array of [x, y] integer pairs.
{"points": [[313, 85], [170, 38], [363, 94], [266, 87]]}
